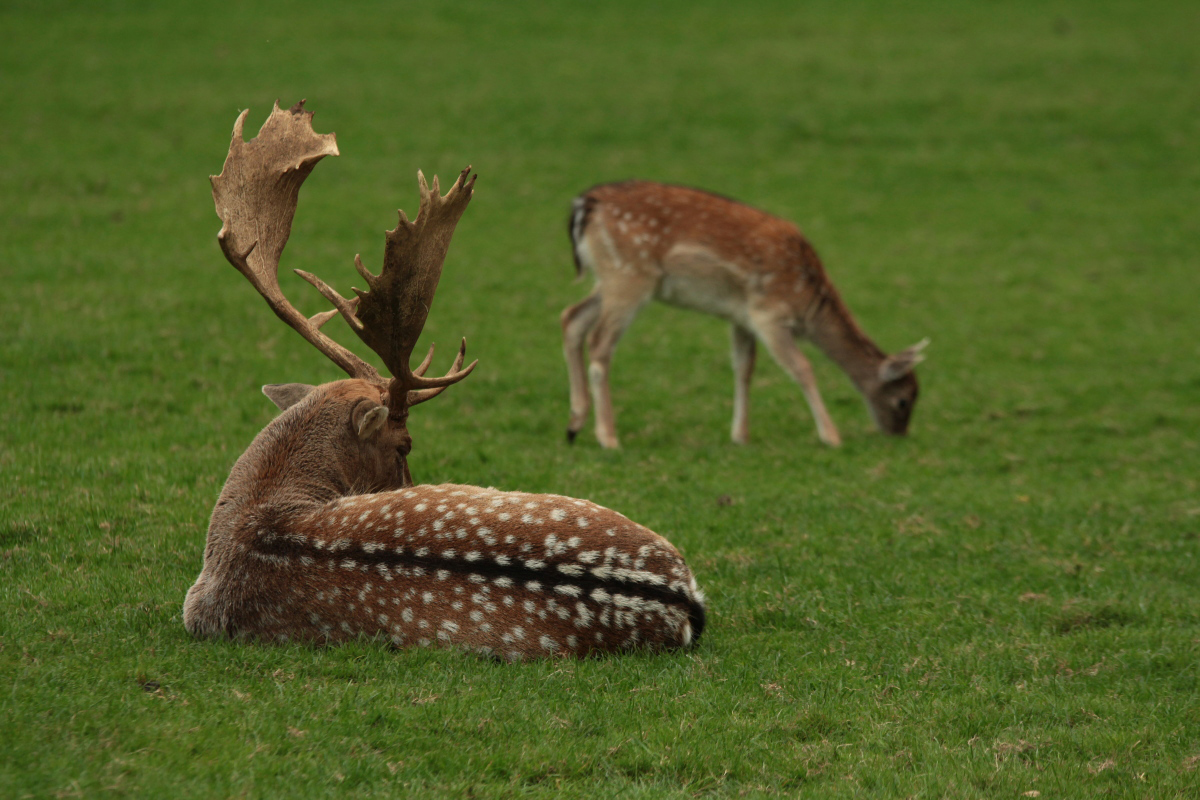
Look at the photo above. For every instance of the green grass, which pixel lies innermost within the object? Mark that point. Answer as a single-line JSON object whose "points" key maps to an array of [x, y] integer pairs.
{"points": [[1004, 603]]}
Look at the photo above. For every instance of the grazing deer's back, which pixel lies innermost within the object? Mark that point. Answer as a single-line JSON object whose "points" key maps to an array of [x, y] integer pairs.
{"points": [[646, 221]]}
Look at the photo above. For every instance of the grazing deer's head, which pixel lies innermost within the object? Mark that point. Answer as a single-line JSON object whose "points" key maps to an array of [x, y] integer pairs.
{"points": [[256, 195], [892, 400]]}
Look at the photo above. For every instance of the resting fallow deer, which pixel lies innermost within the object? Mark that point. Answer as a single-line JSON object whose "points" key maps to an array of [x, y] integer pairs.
{"points": [[319, 533], [697, 250]]}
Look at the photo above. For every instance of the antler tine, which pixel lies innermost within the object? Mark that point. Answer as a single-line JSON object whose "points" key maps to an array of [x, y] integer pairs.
{"points": [[424, 365], [340, 304], [255, 196], [324, 316], [455, 375]]}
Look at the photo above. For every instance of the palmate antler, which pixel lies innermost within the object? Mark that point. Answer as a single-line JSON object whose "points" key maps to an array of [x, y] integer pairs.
{"points": [[256, 195], [392, 313]]}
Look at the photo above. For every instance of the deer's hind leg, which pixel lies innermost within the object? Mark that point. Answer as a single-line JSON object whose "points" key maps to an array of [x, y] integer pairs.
{"points": [[744, 347], [781, 343], [577, 321]]}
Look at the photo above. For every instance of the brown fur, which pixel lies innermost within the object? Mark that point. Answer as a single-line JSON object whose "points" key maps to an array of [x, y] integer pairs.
{"points": [[314, 539]]}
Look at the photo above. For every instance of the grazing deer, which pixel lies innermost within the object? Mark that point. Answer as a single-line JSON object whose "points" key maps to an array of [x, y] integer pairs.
{"points": [[319, 533], [697, 250]]}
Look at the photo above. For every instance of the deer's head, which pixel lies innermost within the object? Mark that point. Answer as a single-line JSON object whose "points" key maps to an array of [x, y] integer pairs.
{"points": [[894, 397], [346, 425], [256, 195]]}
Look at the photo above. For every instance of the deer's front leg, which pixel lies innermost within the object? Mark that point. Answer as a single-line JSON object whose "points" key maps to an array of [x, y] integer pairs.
{"points": [[744, 347], [577, 321], [783, 348]]}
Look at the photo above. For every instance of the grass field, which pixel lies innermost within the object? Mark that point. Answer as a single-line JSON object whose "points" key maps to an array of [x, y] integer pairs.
{"points": [[1005, 604]]}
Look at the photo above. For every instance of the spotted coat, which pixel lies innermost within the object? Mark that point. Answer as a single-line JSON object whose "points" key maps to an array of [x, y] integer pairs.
{"points": [[505, 573]]}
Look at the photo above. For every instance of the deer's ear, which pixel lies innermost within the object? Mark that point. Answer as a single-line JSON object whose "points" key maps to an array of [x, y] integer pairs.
{"points": [[368, 419], [286, 395], [898, 365]]}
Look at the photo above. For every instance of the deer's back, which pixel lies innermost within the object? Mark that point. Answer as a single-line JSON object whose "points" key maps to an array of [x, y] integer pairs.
{"points": [[513, 574], [696, 245]]}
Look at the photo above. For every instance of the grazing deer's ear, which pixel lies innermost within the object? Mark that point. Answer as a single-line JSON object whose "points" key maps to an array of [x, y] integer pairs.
{"points": [[286, 395], [369, 419], [898, 365]]}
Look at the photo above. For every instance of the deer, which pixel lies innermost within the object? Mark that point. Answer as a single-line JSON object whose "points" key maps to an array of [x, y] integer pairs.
{"points": [[692, 249], [320, 535]]}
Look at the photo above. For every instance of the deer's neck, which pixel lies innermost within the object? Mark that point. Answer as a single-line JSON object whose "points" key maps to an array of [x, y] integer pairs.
{"points": [[831, 327], [286, 469]]}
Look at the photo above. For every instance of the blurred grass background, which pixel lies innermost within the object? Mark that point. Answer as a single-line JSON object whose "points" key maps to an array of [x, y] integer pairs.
{"points": [[1004, 603]]}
